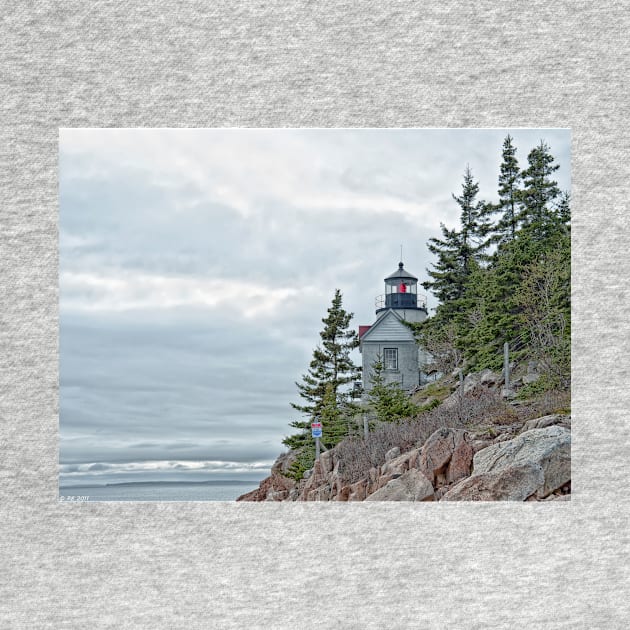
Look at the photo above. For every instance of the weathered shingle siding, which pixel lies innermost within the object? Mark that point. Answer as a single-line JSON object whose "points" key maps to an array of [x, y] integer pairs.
{"points": [[407, 374]]}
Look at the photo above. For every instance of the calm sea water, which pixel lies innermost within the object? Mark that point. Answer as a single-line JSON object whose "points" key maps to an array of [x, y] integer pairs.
{"points": [[216, 491]]}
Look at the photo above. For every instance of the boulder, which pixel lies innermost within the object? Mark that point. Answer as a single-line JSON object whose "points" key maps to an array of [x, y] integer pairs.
{"points": [[530, 378], [276, 487], [549, 448], [383, 480], [319, 494], [504, 437], [410, 486], [514, 483], [446, 456], [334, 478], [477, 445], [326, 461], [316, 479], [547, 421], [393, 453], [400, 464], [277, 495], [358, 491], [489, 378], [343, 494], [485, 378]]}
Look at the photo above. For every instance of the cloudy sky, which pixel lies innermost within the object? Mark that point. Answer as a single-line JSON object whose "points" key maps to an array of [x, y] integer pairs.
{"points": [[196, 265]]}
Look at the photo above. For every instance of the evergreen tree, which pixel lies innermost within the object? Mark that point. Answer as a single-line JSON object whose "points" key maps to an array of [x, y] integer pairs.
{"points": [[449, 271], [509, 190], [322, 387], [388, 401], [563, 210], [335, 418], [493, 297], [473, 218], [484, 305], [539, 191], [459, 252], [545, 298]]}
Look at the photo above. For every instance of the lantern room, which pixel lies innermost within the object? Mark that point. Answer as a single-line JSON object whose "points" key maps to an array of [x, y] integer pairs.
{"points": [[401, 292]]}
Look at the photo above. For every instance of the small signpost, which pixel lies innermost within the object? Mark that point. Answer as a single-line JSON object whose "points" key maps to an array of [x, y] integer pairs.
{"points": [[316, 432]]}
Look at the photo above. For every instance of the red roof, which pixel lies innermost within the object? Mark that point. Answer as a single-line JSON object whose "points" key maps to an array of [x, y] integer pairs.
{"points": [[363, 330]]}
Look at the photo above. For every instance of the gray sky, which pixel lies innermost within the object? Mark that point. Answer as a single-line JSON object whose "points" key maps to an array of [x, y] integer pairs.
{"points": [[196, 266]]}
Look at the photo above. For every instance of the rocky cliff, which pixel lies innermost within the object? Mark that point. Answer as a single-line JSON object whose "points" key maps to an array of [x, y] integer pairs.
{"points": [[527, 459]]}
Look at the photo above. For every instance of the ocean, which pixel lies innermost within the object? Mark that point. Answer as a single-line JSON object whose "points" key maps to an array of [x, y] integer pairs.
{"points": [[158, 491]]}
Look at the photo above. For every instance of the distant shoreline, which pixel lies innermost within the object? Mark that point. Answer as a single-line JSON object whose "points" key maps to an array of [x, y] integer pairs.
{"points": [[214, 482]]}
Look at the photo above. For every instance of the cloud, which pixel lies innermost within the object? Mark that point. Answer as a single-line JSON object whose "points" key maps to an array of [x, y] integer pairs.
{"points": [[196, 266], [145, 291]]}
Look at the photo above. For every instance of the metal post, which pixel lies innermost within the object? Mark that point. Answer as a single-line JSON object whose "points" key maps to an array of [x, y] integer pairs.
{"points": [[461, 393], [506, 365], [366, 429], [316, 448]]}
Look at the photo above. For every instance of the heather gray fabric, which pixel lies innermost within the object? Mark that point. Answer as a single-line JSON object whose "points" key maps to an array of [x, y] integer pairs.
{"points": [[329, 64]]}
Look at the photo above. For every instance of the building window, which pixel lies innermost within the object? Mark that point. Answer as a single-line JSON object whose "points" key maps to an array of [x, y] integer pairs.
{"points": [[390, 358]]}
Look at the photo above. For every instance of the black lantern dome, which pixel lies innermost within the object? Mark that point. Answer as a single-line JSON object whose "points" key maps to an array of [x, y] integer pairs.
{"points": [[401, 291]]}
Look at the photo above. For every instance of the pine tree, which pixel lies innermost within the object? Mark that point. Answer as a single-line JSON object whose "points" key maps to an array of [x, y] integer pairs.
{"points": [[323, 386]]}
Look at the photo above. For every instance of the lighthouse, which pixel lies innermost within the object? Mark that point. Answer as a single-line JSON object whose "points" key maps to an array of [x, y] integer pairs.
{"points": [[389, 339]]}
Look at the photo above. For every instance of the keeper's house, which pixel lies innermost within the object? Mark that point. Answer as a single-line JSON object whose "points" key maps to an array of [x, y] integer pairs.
{"points": [[389, 338]]}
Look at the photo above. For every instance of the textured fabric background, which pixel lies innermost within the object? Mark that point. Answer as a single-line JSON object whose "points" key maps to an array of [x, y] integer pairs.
{"points": [[329, 64]]}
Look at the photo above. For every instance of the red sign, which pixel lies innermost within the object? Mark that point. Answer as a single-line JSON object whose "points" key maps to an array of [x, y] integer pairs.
{"points": [[316, 425]]}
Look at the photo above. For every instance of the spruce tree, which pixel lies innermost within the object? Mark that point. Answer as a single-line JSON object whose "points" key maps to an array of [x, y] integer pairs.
{"points": [[473, 218], [509, 190], [539, 191], [483, 305], [323, 386], [460, 251], [449, 271], [563, 210]]}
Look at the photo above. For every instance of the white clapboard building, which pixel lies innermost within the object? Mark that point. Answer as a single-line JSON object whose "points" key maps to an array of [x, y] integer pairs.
{"points": [[389, 337]]}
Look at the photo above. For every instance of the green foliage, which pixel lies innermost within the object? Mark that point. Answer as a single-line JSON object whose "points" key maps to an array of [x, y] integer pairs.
{"points": [[545, 298], [305, 459], [539, 191], [331, 363], [324, 387], [509, 188], [336, 418], [459, 252], [388, 400], [439, 336], [513, 287]]}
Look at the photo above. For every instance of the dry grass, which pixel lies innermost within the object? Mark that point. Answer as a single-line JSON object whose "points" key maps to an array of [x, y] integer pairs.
{"points": [[478, 409], [358, 455]]}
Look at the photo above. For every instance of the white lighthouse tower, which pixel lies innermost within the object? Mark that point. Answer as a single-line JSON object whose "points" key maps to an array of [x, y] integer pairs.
{"points": [[389, 337]]}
